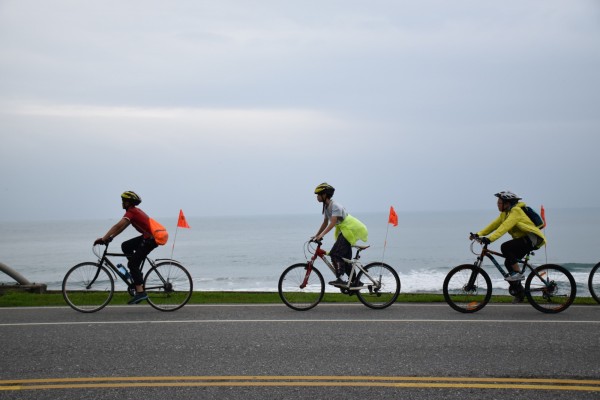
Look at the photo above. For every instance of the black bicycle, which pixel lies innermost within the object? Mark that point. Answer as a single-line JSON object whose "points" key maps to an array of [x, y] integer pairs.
{"points": [[549, 288], [88, 287], [594, 282]]}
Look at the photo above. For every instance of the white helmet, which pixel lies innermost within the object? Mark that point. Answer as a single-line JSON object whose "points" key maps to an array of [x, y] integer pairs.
{"points": [[508, 196]]}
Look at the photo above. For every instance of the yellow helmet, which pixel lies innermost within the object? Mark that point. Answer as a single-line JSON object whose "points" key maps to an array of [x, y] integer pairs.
{"points": [[325, 188], [132, 197]]}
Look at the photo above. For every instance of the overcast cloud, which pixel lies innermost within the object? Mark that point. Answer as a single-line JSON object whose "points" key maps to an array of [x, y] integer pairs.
{"points": [[243, 107]]}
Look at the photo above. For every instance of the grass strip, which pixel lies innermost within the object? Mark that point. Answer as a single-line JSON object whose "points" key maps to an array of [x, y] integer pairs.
{"points": [[14, 298]]}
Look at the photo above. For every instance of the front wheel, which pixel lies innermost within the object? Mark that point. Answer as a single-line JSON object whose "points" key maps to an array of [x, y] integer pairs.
{"points": [[550, 288], [467, 288], [88, 287], [301, 287], [383, 285], [594, 282], [168, 285]]}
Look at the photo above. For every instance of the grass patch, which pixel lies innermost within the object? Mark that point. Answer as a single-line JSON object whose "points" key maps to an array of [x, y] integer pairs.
{"points": [[13, 298]]}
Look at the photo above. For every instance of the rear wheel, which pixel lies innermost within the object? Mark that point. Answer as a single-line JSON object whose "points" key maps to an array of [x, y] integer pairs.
{"points": [[384, 292], [550, 288], [300, 287], [594, 282], [88, 287], [467, 288], [168, 285]]}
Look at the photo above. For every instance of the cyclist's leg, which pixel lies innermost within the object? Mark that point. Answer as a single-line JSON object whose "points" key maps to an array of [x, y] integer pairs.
{"points": [[341, 249], [137, 249], [515, 250]]}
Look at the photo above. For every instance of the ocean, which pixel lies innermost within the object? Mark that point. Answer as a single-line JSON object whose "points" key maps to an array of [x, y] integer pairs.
{"points": [[248, 253]]}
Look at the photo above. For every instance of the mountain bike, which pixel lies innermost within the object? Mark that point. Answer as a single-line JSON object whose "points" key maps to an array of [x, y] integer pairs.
{"points": [[549, 288], [594, 282], [301, 286], [88, 287]]}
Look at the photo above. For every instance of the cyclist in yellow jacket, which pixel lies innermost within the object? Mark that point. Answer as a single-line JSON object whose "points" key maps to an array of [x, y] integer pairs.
{"points": [[525, 235], [348, 230]]}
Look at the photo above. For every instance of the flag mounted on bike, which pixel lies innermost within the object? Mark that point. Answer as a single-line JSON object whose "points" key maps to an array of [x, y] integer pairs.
{"points": [[393, 218], [543, 212], [181, 222]]}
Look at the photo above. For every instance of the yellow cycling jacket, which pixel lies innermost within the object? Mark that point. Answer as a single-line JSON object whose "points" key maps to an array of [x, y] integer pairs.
{"points": [[515, 222], [352, 229]]}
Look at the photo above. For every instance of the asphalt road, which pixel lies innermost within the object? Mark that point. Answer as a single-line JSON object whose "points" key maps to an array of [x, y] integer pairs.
{"points": [[416, 351]]}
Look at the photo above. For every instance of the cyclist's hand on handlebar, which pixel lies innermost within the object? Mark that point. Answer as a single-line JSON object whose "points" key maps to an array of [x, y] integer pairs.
{"points": [[473, 236], [102, 241]]}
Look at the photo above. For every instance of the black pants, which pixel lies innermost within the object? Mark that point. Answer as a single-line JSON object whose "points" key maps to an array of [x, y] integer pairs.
{"points": [[341, 248], [136, 250], [515, 250]]}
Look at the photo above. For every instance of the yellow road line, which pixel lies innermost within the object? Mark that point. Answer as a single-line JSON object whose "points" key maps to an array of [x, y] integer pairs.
{"points": [[303, 381]]}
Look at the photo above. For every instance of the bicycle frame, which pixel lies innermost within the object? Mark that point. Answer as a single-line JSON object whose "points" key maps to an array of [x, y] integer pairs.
{"points": [[356, 265], [105, 260], [487, 253]]}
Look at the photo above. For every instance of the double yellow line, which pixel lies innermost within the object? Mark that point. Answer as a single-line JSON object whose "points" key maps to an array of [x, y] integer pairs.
{"points": [[302, 381]]}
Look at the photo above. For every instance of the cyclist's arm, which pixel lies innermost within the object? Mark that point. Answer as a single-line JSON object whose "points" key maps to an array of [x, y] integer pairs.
{"points": [[328, 227], [116, 229]]}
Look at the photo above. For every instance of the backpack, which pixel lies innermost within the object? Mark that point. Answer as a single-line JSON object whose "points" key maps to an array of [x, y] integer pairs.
{"points": [[534, 217], [161, 236]]}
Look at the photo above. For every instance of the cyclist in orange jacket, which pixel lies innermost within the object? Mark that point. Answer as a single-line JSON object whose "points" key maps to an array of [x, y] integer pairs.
{"points": [[137, 248]]}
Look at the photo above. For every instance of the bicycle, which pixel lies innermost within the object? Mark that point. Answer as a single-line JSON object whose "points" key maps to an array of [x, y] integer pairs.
{"points": [[594, 282], [301, 286], [549, 288], [89, 286]]}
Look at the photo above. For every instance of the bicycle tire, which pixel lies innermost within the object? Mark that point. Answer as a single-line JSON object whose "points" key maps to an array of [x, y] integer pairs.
{"points": [[594, 283], [301, 298], [387, 294], [169, 286], [554, 298], [463, 296], [88, 287]]}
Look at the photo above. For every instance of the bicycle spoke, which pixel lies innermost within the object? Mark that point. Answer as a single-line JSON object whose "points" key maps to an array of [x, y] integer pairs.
{"points": [[383, 285], [467, 289], [301, 289], [168, 285], [550, 288], [87, 287]]}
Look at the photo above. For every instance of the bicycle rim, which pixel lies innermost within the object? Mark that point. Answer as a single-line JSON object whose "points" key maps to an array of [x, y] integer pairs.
{"points": [[550, 288], [88, 287], [299, 289], [594, 282], [384, 292], [168, 285], [465, 292]]}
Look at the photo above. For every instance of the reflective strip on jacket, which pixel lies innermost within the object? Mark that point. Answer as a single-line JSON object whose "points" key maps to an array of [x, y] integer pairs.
{"points": [[515, 222], [352, 229]]}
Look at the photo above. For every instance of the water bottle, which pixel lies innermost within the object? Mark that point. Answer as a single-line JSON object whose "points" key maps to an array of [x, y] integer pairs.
{"points": [[123, 271]]}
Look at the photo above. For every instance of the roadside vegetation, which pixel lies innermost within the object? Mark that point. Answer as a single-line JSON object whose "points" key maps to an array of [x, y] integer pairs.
{"points": [[13, 298]]}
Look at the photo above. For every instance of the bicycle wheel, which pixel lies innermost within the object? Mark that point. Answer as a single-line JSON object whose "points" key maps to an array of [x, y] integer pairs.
{"points": [[88, 287], [550, 288], [301, 289], [385, 292], [594, 282], [168, 285], [467, 288]]}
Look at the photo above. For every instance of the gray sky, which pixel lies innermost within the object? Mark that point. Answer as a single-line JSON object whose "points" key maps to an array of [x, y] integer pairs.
{"points": [[242, 107]]}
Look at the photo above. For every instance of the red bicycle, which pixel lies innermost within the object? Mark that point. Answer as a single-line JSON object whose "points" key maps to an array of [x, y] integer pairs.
{"points": [[301, 286]]}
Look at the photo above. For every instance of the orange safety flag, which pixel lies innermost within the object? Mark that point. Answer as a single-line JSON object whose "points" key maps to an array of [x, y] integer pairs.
{"points": [[181, 222], [393, 219], [543, 212]]}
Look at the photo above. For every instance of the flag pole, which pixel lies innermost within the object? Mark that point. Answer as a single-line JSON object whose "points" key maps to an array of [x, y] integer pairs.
{"points": [[174, 240], [385, 242]]}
